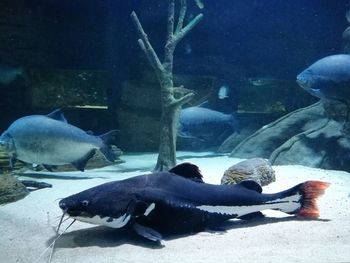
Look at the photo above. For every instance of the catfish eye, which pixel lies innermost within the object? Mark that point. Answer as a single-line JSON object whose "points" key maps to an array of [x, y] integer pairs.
{"points": [[85, 202]]}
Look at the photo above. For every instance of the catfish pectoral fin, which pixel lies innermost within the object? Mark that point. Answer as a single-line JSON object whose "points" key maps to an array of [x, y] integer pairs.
{"points": [[147, 233]]}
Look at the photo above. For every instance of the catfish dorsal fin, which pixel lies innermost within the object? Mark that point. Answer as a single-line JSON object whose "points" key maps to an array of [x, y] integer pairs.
{"points": [[188, 170], [57, 115], [251, 184]]}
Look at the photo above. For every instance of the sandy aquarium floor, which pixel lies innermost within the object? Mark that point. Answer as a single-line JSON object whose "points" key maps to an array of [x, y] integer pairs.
{"points": [[27, 227]]}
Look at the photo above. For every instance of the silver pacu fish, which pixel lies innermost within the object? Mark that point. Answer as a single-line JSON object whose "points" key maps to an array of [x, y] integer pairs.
{"points": [[49, 140], [328, 78]]}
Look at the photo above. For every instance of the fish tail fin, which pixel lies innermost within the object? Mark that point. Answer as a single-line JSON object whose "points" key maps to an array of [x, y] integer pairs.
{"points": [[234, 123], [108, 139], [311, 190], [301, 200]]}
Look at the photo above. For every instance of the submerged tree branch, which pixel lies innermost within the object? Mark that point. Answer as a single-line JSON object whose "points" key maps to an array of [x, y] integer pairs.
{"points": [[171, 19], [183, 100], [171, 106], [180, 35], [199, 3], [182, 15], [146, 45]]}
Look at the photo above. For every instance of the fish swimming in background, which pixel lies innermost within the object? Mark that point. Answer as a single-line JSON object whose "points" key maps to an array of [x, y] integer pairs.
{"points": [[49, 140], [328, 78], [9, 74], [263, 81], [178, 201], [205, 124], [346, 33], [223, 92]]}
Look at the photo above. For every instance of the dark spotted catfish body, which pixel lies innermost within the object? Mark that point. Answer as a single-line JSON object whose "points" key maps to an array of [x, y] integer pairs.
{"points": [[168, 202]]}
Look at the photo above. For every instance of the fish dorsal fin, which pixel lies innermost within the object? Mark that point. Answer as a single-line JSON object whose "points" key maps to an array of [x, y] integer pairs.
{"points": [[188, 170], [57, 115], [250, 184]]}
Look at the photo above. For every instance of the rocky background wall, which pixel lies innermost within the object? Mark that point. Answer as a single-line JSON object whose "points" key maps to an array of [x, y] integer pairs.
{"points": [[83, 56]]}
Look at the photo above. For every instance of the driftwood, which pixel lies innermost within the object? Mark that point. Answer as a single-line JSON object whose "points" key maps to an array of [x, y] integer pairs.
{"points": [[171, 106]]}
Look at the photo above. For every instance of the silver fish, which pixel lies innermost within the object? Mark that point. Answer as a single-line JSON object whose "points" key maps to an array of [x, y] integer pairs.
{"points": [[205, 124], [264, 81], [223, 92], [49, 140], [328, 78], [346, 34]]}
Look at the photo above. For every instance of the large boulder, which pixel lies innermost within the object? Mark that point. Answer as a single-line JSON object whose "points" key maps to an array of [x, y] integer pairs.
{"points": [[264, 141], [316, 136], [256, 169]]}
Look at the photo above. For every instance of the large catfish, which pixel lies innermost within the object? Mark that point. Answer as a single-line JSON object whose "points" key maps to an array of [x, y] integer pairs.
{"points": [[179, 201]]}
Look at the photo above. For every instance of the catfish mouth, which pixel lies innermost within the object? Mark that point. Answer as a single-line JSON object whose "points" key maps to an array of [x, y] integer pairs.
{"points": [[73, 210], [77, 213]]}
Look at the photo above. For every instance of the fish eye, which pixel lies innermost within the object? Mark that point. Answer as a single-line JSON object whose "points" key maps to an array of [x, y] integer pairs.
{"points": [[85, 202]]}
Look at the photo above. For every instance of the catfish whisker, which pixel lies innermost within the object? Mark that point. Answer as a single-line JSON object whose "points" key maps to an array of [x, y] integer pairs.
{"points": [[56, 222], [52, 245], [56, 219], [61, 220], [54, 242]]}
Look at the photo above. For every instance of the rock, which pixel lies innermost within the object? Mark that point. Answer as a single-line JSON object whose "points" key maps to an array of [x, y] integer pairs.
{"points": [[11, 189], [256, 169], [5, 163], [33, 185], [325, 148], [263, 142], [316, 136], [97, 161]]}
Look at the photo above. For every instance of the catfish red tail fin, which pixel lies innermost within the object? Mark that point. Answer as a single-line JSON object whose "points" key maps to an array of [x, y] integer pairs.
{"points": [[310, 191]]}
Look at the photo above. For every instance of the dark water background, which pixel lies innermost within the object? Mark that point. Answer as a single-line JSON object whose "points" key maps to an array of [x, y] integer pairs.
{"points": [[271, 38], [236, 40], [267, 37]]}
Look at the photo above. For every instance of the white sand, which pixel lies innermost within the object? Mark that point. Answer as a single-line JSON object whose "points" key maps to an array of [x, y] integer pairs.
{"points": [[27, 226]]}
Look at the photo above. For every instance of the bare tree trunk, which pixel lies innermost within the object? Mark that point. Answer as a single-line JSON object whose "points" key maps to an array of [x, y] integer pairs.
{"points": [[170, 106]]}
